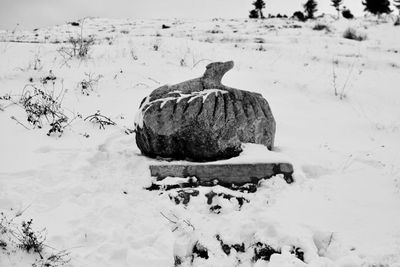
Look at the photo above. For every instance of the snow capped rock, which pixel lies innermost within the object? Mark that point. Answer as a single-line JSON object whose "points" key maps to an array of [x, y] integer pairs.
{"points": [[203, 120]]}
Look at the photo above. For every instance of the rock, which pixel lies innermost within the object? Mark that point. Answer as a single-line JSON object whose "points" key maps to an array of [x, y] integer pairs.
{"points": [[224, 173], [203, 120]]}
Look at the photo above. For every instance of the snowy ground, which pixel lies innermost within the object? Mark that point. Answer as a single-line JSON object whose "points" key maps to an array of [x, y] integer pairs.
{"points": [[87, 186]]}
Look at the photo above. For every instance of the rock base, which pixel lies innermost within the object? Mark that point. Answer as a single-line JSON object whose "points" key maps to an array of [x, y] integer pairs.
{"points": [[225, 174]]}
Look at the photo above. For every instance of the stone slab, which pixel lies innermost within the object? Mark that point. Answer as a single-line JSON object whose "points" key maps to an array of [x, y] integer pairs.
{"points": [[229, 174]]}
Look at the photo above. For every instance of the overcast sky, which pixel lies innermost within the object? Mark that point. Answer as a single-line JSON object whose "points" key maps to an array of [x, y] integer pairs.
{"points": [[38, 13]]}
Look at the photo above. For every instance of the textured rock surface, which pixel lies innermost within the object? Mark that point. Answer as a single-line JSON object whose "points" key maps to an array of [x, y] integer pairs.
{"points": [[202, 120], [226, 174]]}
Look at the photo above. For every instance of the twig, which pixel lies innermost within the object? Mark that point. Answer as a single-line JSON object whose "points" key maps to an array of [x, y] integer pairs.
{"points": [[334, 77], [141, 84], [189, 224], [151, 79], [81, 36], [100, 119], [347, 79], [22, 211], [167, 218], [13, 118], [196, 63], [71, 121], [330, 240]]}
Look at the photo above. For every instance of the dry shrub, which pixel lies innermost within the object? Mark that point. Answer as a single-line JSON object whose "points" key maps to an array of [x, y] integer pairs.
{"points": [[353, 34]]}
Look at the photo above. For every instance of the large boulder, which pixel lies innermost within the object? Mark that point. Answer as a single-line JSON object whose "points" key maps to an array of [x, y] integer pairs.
{"points": [[203, 120]]}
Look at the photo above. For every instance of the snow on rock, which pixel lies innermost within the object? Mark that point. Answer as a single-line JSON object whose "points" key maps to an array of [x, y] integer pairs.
{"points": [[256, 153], [178, 96], [285, 260]]}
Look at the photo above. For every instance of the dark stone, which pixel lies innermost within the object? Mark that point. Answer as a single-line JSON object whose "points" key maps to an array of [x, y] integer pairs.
{"points": [[184, 196], [210, 195], [226, 248], [298, 252], [263, 252], [216, 209], [239, 247], [203, 120], [199, 251]]}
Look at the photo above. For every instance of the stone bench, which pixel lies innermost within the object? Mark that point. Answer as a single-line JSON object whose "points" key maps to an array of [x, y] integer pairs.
{"points": [[224, 173]]}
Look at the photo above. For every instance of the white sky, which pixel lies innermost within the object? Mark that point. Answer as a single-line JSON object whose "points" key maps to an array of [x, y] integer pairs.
{"points": [[37, 13]]}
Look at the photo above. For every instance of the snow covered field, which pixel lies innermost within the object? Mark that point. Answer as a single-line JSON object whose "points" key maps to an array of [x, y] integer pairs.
{"points": [[87, 186]]}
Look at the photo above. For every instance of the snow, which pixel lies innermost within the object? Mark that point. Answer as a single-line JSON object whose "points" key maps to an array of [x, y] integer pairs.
{"points": [[88, 192], [252, 153], [147, 103]]}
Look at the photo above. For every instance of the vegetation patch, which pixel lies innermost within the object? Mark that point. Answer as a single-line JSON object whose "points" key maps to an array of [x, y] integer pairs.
{"points": [[352, 34], [321, 27], [100, 120], [14, 237], [42, 107], [88, 84]]}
